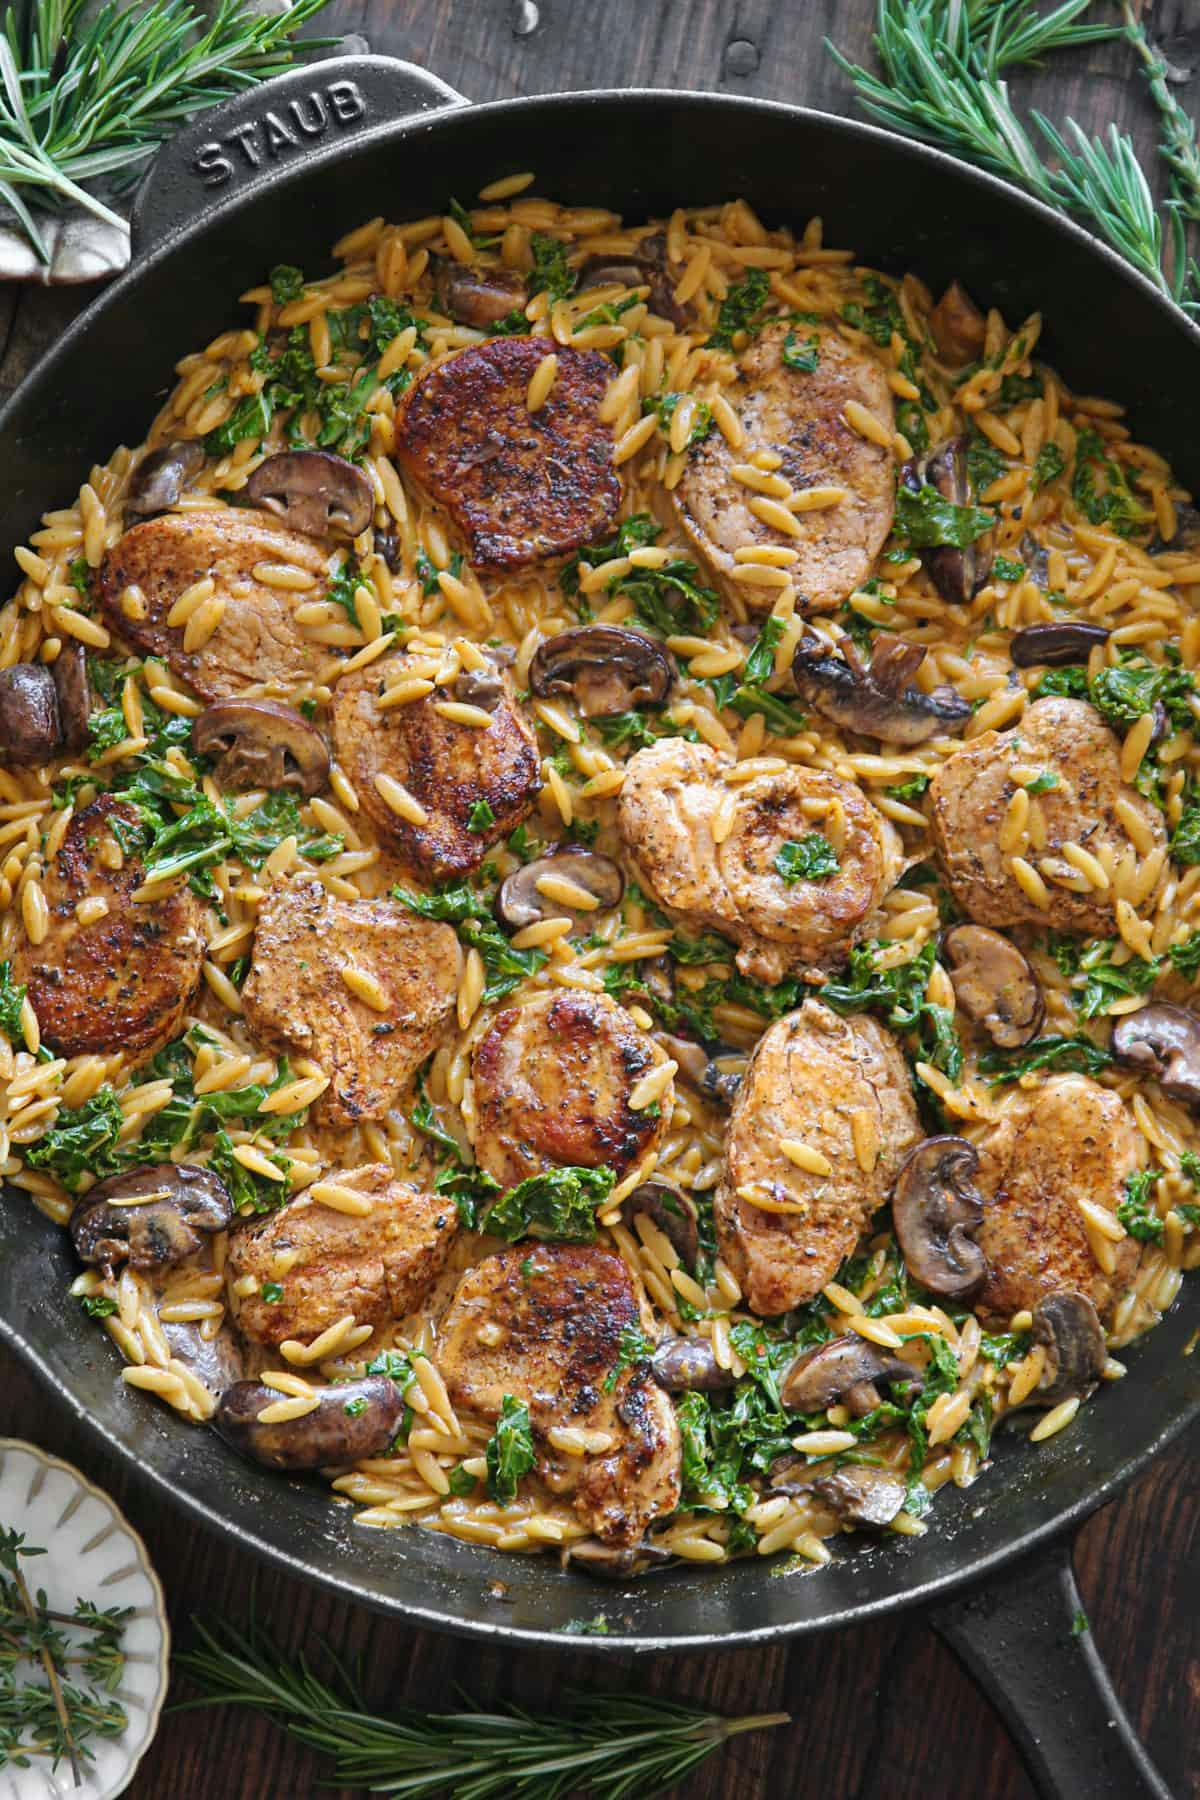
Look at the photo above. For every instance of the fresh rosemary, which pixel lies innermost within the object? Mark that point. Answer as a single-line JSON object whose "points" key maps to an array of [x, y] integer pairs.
{"points": [[80, 1656], [941, 79], [610, 1744], [82, 101]]}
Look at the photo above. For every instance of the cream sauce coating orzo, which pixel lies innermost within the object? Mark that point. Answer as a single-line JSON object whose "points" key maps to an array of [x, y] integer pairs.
{"points": [[654, 1010]]}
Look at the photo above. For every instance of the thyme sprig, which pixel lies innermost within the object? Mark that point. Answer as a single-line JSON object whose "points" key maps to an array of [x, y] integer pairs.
{"points": [[83, 100], [941, 79], [611, 1744], [54, 1719]]}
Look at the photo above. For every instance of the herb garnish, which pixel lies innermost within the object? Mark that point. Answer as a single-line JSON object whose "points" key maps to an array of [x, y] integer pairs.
{"points": [[509, 1451], [812, 859], [558, 1205]]}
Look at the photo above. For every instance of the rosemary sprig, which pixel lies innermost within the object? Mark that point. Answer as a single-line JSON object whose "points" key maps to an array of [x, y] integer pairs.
{"points": [[1178, 148], [941, 80], [81, 101], [612, 1744], [56, 1719]]}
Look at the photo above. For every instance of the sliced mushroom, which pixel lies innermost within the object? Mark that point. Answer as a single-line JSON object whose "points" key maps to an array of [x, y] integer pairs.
{"points": [[994, 984], [1036, 558], [29, 721], [69, 674], [162, 477], [217, 1361], [1164, 1041], [474, 296], [150, 1217], [957, 327], [876, 701], [717, 1073], [313, 491], [1055, 642], [520, 902], [385, 541], [352, 1419], [646, 268], [613, 1564], [675, 1214], [686, 1365], [261, 743], [862, 1495], [935, 1208], [608, 668], [481, 687], [1069, 1328], [845, 1370], [957, 573]]}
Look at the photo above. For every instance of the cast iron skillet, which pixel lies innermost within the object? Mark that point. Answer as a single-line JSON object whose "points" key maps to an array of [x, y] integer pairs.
{"points": [[277, 175]]}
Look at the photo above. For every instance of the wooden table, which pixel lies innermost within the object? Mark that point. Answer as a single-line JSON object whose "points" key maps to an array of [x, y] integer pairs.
{"points": [[881, 1713]]}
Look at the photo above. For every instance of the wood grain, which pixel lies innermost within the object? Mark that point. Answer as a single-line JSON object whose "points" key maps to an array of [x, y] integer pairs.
{"points": [[879, 1713]]}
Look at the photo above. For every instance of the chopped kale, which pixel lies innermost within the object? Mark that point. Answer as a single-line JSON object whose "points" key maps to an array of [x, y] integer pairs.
{"points": [[1048, 465], [12, 999], [481, 817], [1137, 1212], [287, 283], [900, 994], [98, 1306], [664, 405], [739, 310], [811, 859], [550, 273], [801, 355], [509, 1451], [925, 520], [633, 1347], [1100, 488], [1077, 1054], [559, 1205], [1008, 569]]}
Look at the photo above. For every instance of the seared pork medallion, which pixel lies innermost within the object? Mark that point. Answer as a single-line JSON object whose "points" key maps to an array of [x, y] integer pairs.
{"points": [[790, 866], [598, 899], [544, 1326], [360, 986], [444, 768]]}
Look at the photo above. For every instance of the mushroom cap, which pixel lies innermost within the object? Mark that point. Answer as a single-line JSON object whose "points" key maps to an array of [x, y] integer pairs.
{"points": [[29, 721], [957, 573], [994, 983], [675, 1214], [475, 296], [161, 477], [1164, 1041], [609, 669], [610, 1562], [845, 1367], [70, 676], [862, 1495], [313, 491], [935, 1208], [688, 1365], [876, 701], [330, 1435], [150, 1217], [1055, 642], [519, 902], [1069, 1328], [261, 743], [646, 267]]}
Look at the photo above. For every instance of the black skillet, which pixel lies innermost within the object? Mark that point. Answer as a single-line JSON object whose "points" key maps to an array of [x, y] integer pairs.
{"points": [[277, 175]]}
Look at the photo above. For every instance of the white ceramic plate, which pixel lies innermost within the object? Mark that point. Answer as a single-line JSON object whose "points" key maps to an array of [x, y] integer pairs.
{"points": [[93, 1553]]}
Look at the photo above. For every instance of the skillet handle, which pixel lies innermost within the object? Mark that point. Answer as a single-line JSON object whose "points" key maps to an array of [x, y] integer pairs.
{"points": [[237, 146], [1024, 1638]]}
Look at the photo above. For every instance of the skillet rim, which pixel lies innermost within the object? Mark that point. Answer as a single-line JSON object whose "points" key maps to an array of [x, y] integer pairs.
{"points": [[285, 177]]}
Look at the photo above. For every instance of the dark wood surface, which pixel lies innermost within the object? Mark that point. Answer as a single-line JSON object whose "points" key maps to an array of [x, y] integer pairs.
{"points": [[880, 1713]]}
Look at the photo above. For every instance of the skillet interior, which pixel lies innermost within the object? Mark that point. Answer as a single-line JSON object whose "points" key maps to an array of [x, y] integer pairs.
{"points": [[899, 207]]}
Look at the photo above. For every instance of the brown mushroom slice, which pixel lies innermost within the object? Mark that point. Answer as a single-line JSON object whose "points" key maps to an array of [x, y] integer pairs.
{"points": [[957, 327], [520, 901], [151, 1217], [261, 744], [73, 690], [688, 1365], [611, 1563], [674, 1213], [647, 267], [313, 491], [351, 1420], [718, 1073], [1055, 643], [876, 701], [475, 296], [607, 668], [29, 721], [861, 1495], [1164, 1041], [846, 1370], [162, 476], [1068, 1327], [935, 1209], [957, 572], [994, 984]]}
